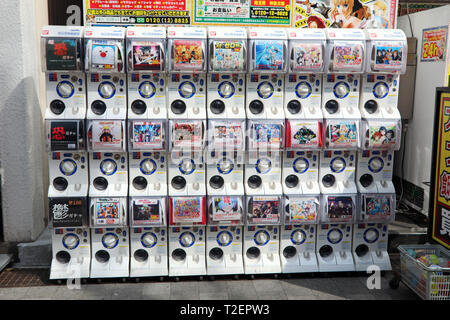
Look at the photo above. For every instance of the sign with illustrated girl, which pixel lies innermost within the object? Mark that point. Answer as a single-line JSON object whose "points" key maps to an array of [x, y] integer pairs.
{"points": [[187, 210], [264, 210], [269, 55], [307, 57], [340, 209], [187, 134], [228, 55], [342, 134], [188, 54], [227, 209], [377, 207], [147, 56], [382, 136], [147, 134], [388, 56], [267, 135], [347, 56], [303, 210]]}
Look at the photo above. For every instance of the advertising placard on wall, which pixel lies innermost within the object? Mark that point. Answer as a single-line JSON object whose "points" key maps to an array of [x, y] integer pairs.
{"points": [[434, 43], [439, 220], [242, 12], [135, 12]]}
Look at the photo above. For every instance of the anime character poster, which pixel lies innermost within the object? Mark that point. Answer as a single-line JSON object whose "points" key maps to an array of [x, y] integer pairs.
{"points": [[147, 212], [103, 54], [303, 210], [228, 55], [227, 135], [267, 135], [187, 134], [382, 136], [362, 14], [147, 134], [61, 54], [227, 209], [377, 207], [187, 210], [340, 208], [388, 56], [107, 135], [347, 56], [188, 54], [147, 56], [307, 57], [305, 135], [343, 134], [269, 55], [265, 210], [107, 211]]}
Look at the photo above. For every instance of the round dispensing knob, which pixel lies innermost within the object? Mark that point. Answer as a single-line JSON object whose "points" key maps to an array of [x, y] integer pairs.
{"points": [[256, 107], [371, 106], [217, 107], [226, 89], [68, 167], [100, 183], [371, 235], [341, 90], [65, 89], [254, 181], [60, 183], [71, 241], [57, 106], [264, 165], [148, 240], [289, 252], [224, 238], [291, 181], [335, 236], [376, 164], [328, 180], [380, 90], [106, 90], [265, 90], [187, 90], [300, 165], [140, 183], [110, 240], [338, 165], [140, 255], [366, 180], [303, 90], [294, 106], [108, 167], [147, 89], [261, 237], [332, 106], [178, 107], [187, 239], [187, 166], [138, 106], [298, 237], [216, 182], [148, 166], [178, 182], [225, 166], [98, 107]]}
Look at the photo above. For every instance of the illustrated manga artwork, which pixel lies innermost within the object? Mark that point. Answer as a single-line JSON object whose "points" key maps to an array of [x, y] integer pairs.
{"points": [[362, 14], [188, 54], [265, 209], [147, 211], [381, 136], [303, 210], [147, 134], [147, 55], [340, 208], [377, 207], [226, 209], [108, 211], [228, 55], [269, 55], [267, 135], [305, 135], [343, 134], [187, 210]]}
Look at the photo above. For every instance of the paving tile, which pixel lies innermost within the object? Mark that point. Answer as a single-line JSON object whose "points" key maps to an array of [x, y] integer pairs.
{"points": [[43, 293], [290, 297], [13, 293], [272, 296], [214, 296], [97, 291], [267, 286], [328, 296], [352, 286], [184, 290], [295, 287], [156, 291], [217, 286], [322, 286], [126, 291]]}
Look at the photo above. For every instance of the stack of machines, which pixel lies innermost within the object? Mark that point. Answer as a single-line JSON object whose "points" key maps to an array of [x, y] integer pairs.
{"points": [[187, 151]]}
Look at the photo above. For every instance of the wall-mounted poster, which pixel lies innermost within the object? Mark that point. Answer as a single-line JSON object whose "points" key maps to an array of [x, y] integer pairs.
{"points": [[242, 12], [379, 14], [434, 43], [135, 12]]}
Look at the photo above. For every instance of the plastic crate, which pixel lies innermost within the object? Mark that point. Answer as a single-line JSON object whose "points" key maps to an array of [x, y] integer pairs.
{"points": [[429, 283]]}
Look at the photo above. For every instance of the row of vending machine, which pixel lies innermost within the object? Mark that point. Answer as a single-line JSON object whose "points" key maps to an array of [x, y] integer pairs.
{"points": [[220, 150], [226, 235], [222, 72]]}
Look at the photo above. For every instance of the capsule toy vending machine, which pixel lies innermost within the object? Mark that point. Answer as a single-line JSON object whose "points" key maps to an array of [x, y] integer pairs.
{"points": [[370, 232], [265, 141], [303, 82], [225, 157], [147, 157], [71, 242], [227, 67], [105, 72], [187, 236], [298, 234], [63, 63], [267, 57], [108, 159], [261, 249], [187, 50], [109, 237], [386, 60], [334, 233], [186, 174], [304, 140], [224, 235], [344, 64], [146, 67], [148, 237]]}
